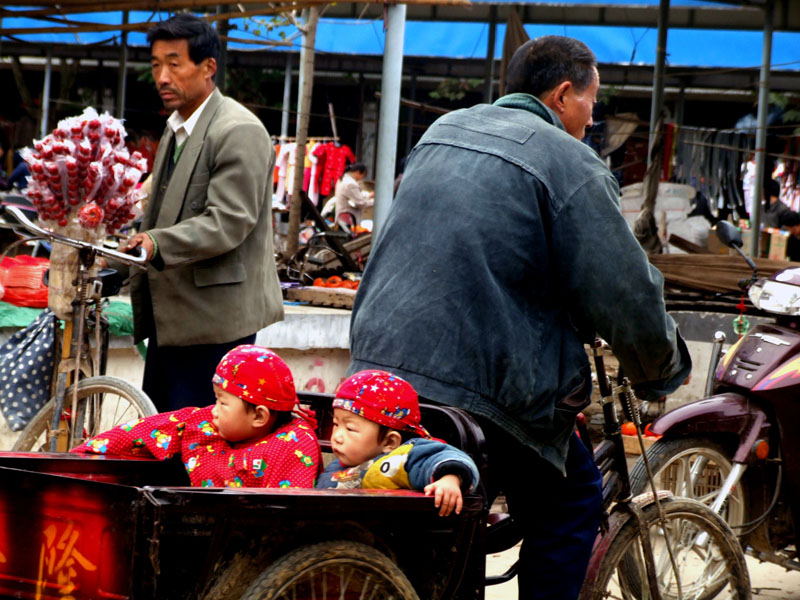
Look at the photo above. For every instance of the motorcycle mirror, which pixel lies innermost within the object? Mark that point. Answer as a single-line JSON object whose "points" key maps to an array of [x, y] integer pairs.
{"points": [[728, 234]]}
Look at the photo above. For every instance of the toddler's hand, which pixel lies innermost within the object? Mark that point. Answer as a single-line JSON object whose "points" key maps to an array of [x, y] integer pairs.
{"points": [[447, 494]]}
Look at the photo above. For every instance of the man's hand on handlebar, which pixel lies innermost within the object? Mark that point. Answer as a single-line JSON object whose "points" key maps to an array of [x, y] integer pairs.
{"points": [[140, 239]]}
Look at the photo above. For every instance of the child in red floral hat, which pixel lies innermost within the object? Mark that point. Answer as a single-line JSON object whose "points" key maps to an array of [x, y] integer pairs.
{"points": [[379, 443], [256, 435]]}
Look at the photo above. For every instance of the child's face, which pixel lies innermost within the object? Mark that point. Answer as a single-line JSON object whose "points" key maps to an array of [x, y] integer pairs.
{"points": [[354, 439], [232, 419]]}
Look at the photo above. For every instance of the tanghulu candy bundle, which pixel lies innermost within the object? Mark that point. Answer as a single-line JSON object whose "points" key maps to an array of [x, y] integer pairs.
{"points": [[82, 173]]}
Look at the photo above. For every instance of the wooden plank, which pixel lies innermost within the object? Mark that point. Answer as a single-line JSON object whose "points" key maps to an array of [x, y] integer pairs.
{"points": [[320, 296]]}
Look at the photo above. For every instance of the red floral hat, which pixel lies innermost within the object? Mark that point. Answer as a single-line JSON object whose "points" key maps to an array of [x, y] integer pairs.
{"points": [[383, 398], [257, 375]]}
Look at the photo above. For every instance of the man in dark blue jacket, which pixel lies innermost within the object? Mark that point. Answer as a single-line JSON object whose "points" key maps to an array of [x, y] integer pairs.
{"points": [[504, 251]]}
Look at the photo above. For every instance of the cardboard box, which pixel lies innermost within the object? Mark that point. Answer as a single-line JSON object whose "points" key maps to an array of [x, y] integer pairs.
{"points": [[631, 443], [777, 244], [714, 245], [747, 236]]}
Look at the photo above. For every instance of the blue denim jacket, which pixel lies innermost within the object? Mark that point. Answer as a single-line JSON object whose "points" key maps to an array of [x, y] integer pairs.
{"points": [[504, 251]]}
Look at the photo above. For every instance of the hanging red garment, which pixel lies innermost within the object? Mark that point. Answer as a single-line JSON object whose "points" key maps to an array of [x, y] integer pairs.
{"points": [[276, 172], [669, 151], [335, 158]]}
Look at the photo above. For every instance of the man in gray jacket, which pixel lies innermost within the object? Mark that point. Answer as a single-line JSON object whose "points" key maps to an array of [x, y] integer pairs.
{"points": [[504, 252], [212, 281]]}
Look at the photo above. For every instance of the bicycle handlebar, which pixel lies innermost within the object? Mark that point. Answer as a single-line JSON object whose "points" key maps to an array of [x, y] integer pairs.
{"points": [[25, 222]]}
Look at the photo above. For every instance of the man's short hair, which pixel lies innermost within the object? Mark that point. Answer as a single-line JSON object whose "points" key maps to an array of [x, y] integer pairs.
{"points": [[789, 219], [541, 64], [202, 37]]}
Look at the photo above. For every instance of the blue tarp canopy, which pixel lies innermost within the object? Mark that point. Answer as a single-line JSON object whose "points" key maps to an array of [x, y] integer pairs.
{"points": [[611, 44]]}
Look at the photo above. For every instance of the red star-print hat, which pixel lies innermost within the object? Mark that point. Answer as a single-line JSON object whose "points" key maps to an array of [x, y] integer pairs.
{"points": [[257, 375], [383, 398]]}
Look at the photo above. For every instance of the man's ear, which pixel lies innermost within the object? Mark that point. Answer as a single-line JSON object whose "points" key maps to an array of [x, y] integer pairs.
{"points": [[391, 441], [555, 98], [211, 66]]}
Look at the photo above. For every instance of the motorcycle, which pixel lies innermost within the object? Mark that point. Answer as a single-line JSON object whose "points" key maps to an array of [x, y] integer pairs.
{"points": [[736, 449]]}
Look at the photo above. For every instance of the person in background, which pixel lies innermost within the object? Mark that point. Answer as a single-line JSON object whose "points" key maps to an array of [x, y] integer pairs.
{"points": [[774, 208], [790, 221], [18, 178], [504, 252], [350, 198], [211, 283]]}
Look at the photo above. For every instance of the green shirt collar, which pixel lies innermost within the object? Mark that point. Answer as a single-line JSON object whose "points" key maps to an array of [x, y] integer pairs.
{"points": [[531, 104]]}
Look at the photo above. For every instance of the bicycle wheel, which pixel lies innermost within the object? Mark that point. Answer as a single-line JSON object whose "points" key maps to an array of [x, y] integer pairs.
{"points": [[713, 567], [693, 467], [103, 403], [338, 570]]}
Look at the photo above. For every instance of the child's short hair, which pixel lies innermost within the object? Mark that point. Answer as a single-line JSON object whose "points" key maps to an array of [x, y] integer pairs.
{"points": [[258, 376], [383, 398]]}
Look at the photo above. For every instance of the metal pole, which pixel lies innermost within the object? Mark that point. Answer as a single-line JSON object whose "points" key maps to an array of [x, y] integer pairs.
{"points": [[48, 73], [222, 30], [680, 106], [410, 125], [658, 73], [488, 77], [287, 96], [123, 68], [389, 113], [761, 133]]}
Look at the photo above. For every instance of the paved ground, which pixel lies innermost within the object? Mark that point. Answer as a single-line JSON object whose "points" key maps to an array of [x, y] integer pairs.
{"points": [[768, 581]]}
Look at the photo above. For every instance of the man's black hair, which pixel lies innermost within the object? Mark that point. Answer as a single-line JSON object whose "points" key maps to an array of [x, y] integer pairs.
{"points": [[789, 219], [356, 167], [202, 37], [541, 64]]}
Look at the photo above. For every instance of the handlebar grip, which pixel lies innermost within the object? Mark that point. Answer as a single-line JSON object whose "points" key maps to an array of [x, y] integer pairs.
{"points": [[138, 253], [139, 259]]}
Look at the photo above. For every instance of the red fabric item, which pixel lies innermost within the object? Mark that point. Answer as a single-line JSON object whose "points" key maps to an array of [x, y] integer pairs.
{"points": [[258, 376], [21, 278], [335, 159], [383, 398], [287, 457], [276, 172], [669, 151]]}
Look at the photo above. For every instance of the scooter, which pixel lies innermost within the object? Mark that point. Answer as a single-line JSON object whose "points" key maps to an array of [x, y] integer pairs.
{"points": [[738, 450]]}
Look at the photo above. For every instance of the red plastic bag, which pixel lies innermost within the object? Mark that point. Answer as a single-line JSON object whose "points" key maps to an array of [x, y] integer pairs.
{"points": [[21, 278]]}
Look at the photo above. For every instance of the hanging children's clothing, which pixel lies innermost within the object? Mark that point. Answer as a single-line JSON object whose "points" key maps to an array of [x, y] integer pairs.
{"points": [[285, 162], [335, 159], [310, 179]]}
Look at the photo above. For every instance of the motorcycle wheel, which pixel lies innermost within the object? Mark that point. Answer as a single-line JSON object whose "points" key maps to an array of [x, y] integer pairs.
{"points": [[693, 467]]}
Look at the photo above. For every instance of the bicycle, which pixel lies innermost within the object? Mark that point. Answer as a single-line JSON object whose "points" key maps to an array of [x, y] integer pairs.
{"points": [[96, 402], [654, 545]]}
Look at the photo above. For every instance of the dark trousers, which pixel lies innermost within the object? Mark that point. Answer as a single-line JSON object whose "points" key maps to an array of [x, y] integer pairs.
{"points": [[180, 376], [558, 516]]}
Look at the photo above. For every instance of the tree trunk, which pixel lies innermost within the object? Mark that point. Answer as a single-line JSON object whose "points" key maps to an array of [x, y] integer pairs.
{"points": [[303, 117]]}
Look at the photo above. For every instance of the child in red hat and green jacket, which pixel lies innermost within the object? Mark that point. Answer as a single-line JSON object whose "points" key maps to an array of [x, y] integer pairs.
{"points": [[379, 443], [255, 435]]}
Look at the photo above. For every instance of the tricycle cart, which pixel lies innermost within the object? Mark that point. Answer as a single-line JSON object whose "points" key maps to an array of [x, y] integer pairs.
{"points": [[74, 526]]}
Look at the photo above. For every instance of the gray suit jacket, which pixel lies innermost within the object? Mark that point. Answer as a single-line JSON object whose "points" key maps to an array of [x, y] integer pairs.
{"points": [[218, 281]]}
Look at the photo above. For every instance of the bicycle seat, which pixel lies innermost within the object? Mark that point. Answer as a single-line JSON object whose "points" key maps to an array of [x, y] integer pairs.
{"points": [[111, 279]]}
